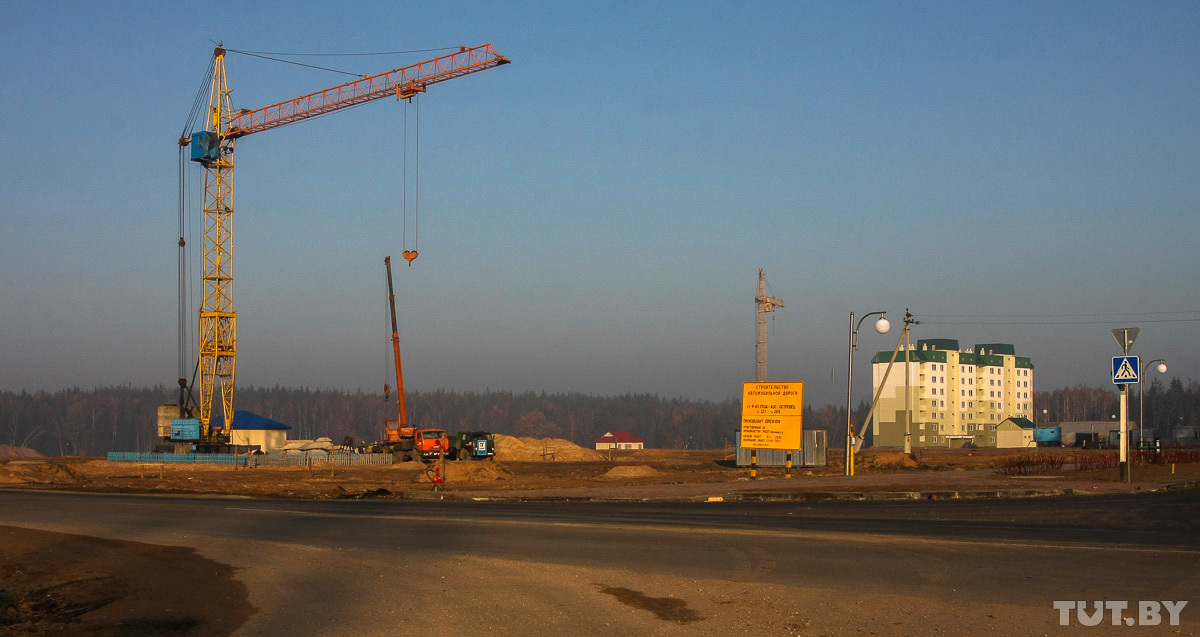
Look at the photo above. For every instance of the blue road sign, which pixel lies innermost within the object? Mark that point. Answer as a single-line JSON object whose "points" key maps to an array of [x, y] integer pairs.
{"points": [[1125, 370]]}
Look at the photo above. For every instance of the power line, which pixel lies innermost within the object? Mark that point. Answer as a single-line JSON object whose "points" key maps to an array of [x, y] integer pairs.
{"points": [[1108, 322], [1130, 314]]}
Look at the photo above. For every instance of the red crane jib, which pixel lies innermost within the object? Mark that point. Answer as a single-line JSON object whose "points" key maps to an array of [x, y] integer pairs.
{"points": [[402, 82]]}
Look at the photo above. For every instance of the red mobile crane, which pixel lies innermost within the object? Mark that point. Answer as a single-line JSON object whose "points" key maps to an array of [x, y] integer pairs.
{"points": [[401, 439]]}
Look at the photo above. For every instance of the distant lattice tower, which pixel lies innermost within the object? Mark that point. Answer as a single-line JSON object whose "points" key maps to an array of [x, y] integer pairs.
{"points": [[763, 304]]}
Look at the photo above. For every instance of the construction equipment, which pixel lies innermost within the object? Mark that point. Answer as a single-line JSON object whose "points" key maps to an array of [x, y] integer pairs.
{"points": [[213, 146], [401, 440], [763, 304], [473, 445]]}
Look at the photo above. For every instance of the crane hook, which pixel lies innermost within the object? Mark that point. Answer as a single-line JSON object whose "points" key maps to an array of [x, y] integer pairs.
{"points": [[409, 255]]}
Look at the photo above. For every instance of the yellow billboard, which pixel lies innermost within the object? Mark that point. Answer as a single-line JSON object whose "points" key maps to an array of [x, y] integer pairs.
{"points": [[772, 415]]}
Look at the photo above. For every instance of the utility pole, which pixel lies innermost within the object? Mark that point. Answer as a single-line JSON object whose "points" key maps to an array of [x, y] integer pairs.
{"points": [[763, 304], [908, 322]]}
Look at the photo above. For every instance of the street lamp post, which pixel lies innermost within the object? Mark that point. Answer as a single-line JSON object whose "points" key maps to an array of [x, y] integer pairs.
{"points": [[882, 326], [1162, 369]]}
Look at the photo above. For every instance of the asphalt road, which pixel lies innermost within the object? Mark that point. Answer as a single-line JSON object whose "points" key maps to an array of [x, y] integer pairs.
{"points": [[943, 567]]}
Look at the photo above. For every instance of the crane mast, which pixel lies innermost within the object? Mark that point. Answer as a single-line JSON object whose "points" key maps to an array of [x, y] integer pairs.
{"points": [[218, 321], [213, 149], [763, 304]]}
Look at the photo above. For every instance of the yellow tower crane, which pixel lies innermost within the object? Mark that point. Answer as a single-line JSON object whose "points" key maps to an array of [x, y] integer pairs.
{"points": [[213, 148], [763, 303]]}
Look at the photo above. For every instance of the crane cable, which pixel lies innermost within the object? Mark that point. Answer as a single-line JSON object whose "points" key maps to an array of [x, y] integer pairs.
{"points": [[186, 335], [409, 255]]}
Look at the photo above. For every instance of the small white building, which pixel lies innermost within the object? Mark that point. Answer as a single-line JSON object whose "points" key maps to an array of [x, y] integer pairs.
{"points": [[619, 440], [1015, 433], [252, 429]]}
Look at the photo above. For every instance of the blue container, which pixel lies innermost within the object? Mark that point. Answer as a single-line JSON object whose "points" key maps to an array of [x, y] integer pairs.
{"points": [[185, 429], [1048, 436], [205, 147]]}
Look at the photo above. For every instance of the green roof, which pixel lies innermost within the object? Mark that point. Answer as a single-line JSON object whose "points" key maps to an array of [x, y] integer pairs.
{"points": [[1023, 423], [996, 348], [987, 360], [934, 350], [918, 356], [950, 344]]}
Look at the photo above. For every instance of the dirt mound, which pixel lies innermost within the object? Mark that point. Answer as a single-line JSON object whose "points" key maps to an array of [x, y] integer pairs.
{"points": [[17, 452], [457, 472], [38, 471], [895, 460], [477, 471], [631, 471], [542, 449]]}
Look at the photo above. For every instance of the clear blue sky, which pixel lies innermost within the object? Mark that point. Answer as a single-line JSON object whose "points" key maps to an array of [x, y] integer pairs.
{"points": [[593, 216]]}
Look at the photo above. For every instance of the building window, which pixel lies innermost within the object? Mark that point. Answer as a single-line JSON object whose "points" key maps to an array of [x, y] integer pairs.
{"points": [[993, 439], [921, 439]]}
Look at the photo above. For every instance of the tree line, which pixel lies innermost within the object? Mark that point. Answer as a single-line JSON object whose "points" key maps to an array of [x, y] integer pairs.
{"points": [[1167, 406], [124, 418]]}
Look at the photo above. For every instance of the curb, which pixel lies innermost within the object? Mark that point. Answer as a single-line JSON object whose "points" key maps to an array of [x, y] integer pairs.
{"points": [[1179, 486], [753, 496], [869, 496]]}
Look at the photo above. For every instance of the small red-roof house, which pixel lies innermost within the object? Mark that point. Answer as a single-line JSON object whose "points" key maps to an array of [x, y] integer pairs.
{"points": [[619, 440]]}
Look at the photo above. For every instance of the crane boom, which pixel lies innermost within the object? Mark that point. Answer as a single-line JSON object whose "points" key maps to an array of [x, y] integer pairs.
{"points": [[402, 422], [403, 82]]}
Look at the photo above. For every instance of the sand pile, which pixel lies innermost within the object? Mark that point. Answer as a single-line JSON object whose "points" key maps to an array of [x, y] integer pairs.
{"points": [[20, 471], [631, 471], [894, 460], [476, 471], [7, 452], [542, 449]]}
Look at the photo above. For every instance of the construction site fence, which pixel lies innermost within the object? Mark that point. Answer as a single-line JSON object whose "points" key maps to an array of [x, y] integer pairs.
{"points": [[301, 459]]}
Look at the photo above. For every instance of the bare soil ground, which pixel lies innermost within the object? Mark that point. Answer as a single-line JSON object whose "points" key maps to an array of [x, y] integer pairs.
{"points": [[54, 584], [665, 470], [59, 584]]}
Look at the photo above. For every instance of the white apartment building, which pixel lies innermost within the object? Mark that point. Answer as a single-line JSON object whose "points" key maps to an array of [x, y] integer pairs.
{"points": [[957, 397]]}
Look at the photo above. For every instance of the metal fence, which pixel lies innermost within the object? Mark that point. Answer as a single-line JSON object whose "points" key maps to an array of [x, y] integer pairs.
{"points": [[321, 457], [268, 460], [811, 455]]}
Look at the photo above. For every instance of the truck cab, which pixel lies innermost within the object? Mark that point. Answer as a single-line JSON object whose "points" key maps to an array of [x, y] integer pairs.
{"points": [[429, 444], [473, 445]]}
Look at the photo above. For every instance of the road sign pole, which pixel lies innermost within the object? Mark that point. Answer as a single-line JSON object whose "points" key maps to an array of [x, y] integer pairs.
{"points": [[1125, 337], [1125, 477]]}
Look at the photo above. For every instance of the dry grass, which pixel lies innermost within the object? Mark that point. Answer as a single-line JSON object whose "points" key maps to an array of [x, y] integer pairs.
{"points": [[1028, 464]]}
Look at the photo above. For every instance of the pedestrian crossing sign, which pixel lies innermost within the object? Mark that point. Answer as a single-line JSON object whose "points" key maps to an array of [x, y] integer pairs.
{"points": [[1125, 370]]}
